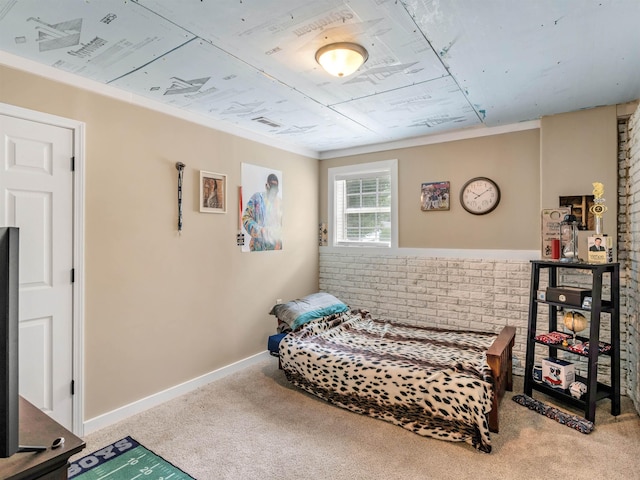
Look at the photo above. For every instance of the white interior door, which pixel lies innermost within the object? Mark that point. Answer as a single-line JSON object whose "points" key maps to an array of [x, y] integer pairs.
{"points": [[36, 195]]}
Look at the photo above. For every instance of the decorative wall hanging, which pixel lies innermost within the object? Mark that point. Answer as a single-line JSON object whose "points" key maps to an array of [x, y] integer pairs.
{"points": [[180, 166], [323, 234], [240, 235], [434, 196], [262, 209], [213, 192]]}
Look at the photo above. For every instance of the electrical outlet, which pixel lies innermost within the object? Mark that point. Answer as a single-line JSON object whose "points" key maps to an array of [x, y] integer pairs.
{"points": [[278, 300]]}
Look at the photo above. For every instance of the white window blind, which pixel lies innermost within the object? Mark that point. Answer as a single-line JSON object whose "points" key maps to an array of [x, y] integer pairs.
{"points": [[363, 204]]}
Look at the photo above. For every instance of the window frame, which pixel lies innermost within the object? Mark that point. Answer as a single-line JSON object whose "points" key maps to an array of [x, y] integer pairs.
{"points": [[365, 169]]}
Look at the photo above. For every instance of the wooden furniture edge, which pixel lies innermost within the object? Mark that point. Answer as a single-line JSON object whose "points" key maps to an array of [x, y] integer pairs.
{"points": [[39, 429], [499, 358]]}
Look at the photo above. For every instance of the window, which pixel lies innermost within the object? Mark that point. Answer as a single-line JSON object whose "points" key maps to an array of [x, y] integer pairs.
{"points": [[363, 204]]}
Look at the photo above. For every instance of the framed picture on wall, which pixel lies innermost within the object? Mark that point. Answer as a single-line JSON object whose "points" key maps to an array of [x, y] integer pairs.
{"points": [[213, 192], [434, 196]]}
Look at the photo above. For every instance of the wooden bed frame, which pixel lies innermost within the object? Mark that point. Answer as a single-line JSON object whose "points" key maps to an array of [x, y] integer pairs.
{"points": [[499, 358]]}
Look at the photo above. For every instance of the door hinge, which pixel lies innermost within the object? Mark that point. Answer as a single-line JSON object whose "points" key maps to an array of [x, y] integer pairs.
{"points": [[73, 275], [73, 387], [73, 164]]}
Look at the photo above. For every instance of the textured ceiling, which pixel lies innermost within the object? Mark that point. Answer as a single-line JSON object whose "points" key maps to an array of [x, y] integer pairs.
{"points": [[434, 66]]}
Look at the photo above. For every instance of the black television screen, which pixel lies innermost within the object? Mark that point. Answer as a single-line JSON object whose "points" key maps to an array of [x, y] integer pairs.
{"points": [[9, 396]]}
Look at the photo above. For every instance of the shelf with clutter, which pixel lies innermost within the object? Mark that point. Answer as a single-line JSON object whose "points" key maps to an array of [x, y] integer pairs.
{"points": [[557, 377], [579, 345], [574, 232]]}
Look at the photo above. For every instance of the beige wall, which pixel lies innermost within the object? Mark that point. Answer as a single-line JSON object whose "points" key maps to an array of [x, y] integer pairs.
{"points": [[511, 159], [533, 168], [162, 309], [578, 149]]}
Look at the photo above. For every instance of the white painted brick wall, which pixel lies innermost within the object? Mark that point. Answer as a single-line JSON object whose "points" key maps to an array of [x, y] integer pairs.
{"points": [[476, 294], [632, 239], [440, 292]]}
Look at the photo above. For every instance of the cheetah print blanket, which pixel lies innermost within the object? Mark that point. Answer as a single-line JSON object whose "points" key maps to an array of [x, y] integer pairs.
{"points": [[434, 382]]}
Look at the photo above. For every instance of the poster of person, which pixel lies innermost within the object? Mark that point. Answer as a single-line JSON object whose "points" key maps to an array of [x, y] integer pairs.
{"points": [[434, 196], [261, 215]]}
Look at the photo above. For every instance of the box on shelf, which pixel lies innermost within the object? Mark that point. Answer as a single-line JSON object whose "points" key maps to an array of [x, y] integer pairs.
{"points": [[583, 244], [568, 295], [600, 249], [558, 373]]}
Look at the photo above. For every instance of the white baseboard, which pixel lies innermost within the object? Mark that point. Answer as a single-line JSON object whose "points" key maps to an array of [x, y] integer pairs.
{"points": [[143, 404]]}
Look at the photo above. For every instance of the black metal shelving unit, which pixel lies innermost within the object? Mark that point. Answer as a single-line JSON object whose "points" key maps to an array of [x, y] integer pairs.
{"points": [[596, 390]]}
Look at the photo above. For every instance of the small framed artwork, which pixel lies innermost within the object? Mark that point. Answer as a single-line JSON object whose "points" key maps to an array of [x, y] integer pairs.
{"points": [[434, 196], [213, 192]]}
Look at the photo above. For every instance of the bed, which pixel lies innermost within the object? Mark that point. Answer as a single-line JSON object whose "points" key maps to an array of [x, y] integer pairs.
{"points": [[439, 383]]}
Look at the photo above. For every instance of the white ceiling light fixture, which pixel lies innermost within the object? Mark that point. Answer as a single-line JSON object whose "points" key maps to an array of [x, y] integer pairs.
{"points": [[342, 59]]}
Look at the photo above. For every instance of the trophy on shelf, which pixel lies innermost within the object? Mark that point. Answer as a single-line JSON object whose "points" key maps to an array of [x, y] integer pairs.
{"points": [[598, 208], [600, 244], [575, 322]]}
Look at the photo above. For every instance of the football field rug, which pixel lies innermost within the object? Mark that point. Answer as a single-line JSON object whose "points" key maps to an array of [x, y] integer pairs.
{"points": [[125, 459]]}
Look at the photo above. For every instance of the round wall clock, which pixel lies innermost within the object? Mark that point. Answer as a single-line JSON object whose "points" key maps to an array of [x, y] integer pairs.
{"points": [[480, 195]]}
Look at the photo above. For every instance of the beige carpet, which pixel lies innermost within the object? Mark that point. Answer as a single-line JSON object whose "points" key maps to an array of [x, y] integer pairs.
{"points": [[254, 425]]}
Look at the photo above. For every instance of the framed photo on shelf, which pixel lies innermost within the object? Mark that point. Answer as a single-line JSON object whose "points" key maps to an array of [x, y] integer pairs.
{"points": [[213, 192], [434, 196], [600, 249]]}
